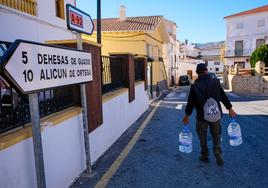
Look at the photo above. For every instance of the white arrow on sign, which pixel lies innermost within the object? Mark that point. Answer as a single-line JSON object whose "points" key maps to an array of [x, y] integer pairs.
{"points": [[79, 21], [32, 67]]}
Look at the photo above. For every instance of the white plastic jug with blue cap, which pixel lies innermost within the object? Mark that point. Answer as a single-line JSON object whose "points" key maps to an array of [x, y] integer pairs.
{"points": [[234, 132], [186, 139]]}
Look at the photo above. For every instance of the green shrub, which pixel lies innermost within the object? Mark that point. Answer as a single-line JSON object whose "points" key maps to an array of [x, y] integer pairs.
{"points": [[260, 54]]}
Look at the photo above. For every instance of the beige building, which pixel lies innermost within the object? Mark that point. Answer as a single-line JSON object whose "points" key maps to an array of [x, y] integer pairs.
{"points": [[152, 37]]}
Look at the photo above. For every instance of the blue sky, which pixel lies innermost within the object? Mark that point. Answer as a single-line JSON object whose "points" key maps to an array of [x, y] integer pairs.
{"points": [[199, 21]]}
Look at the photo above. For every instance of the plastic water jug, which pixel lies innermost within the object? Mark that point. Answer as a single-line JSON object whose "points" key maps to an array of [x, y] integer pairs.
{"points": [[186, 139], [234, 132]]}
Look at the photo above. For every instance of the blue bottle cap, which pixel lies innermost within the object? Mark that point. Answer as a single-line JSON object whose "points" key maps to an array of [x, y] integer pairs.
{"points": [[185, 128], [232, 120]]}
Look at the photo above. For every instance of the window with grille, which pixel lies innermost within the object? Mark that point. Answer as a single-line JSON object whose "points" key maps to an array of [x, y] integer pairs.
{"points": [[239, 48]]}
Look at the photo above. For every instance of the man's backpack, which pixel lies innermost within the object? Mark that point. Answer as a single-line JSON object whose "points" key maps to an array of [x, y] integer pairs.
{"points": [[211, 108]]}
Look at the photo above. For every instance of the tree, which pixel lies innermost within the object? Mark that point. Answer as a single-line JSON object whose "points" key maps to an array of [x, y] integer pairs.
{"points": [[260, 54]]}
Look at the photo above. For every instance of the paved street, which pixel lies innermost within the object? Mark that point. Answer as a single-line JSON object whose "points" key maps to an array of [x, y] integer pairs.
{"points": [[155, 160]]}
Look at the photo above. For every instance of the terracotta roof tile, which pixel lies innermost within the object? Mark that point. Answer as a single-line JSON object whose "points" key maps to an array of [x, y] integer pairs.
{"points": [[252, 11], [145, 23]]}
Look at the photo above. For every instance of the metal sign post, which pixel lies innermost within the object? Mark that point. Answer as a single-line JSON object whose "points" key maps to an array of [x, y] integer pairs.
{"points": [[81, 22], [84, 112], [37, 140]]}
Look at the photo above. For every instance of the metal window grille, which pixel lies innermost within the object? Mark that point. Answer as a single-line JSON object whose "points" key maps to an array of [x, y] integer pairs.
{"points": [[239, 48], [112, 73], [14, 107], [139, 70], [27, 6]]}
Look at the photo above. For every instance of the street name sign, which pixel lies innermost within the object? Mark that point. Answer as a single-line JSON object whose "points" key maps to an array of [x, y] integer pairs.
{"points": [[33, 67], [79, 21]]}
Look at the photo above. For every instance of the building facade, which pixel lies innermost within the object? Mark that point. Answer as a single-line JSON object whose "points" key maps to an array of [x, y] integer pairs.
{"points": [[212, 55], [46, 19], [143, 36], [245, 31], [170, 51], [189, 56]]}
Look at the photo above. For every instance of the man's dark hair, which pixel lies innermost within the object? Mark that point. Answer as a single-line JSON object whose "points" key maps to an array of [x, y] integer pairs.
{"points": [[201, 68]]}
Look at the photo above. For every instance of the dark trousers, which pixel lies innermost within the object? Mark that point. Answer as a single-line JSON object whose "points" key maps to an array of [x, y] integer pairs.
{"points": [[215, 130]]}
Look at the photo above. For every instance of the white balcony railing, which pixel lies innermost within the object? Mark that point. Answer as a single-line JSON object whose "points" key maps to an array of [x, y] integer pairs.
{"points": [[27, 6]]}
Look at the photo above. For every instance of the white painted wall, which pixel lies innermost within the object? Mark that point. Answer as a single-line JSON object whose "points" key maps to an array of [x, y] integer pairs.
{"points": [[211, 51], [45, 26], [184, 66], [212, 56], [63, 157], [212, 67], [63, 145], [250, 25], [187, 58], [192, 51], [118, 115], [64, 154], [47, 12], [249, 33], [170, 50]]}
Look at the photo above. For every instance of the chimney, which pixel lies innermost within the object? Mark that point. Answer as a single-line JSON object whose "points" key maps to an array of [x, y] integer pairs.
{"points": [[122, 13]]}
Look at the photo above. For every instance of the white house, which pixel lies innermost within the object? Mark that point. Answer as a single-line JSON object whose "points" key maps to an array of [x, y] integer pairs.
{"points": [[62, 131], [212, 54], [189, 56], [245, 31]]}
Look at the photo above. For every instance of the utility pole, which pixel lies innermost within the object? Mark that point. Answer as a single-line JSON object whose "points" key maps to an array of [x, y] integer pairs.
{"points": [[99, 21], [99, 32]]}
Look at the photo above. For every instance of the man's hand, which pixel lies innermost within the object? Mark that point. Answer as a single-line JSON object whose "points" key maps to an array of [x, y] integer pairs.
{"points": [[185, 120], [232, 113]]}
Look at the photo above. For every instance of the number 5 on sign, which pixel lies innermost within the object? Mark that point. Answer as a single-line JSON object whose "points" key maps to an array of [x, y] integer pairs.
{"points": [[24, 57]]}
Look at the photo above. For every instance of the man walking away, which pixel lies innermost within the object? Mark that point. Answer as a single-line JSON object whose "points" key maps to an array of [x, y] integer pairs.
{"points": [[205, 96]]}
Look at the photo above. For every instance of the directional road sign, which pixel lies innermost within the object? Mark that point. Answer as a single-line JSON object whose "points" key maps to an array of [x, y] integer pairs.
{"points": [[32, 67], [79, 21]]}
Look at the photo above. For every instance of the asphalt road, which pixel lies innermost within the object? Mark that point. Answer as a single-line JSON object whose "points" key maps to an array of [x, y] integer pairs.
{"points": [[155, 160]]}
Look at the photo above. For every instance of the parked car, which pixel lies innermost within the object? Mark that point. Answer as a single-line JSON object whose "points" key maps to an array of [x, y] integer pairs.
{"points": [[212, 75], [184, 80]]}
